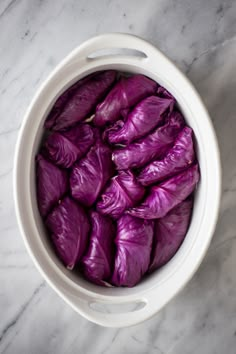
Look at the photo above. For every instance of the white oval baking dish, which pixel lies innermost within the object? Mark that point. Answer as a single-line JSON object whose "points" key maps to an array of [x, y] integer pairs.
{"points": [[159, 288]]}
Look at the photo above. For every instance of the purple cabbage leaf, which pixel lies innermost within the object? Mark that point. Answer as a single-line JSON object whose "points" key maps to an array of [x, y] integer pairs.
{"points": [[146, 115], [89, 175], [123, 192], [69, 227], [97, 262], [66, 147], [80, 102], [169, 233], [62, 100], [151, 147], [52, 184], [178, 158], [125, 94], [133, 250], [165, 196]]}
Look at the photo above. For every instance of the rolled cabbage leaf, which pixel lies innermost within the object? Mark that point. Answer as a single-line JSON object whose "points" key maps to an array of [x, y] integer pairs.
{"points": [[98, 261], [82, 102], [69, 227], [123, 192], [66, 147], [165, 196], [169, 233], [146, 115], [125, 94], [133, 250], [178, 158], [52, 184], [152, 146], [90, 174]]}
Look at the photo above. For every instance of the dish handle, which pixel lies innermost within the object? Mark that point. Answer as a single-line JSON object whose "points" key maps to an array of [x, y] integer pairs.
{"points": [[114, 45], [118, 312]]}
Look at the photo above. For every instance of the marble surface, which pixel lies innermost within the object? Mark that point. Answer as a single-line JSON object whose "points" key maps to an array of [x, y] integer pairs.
{"points": [[200, 37]]}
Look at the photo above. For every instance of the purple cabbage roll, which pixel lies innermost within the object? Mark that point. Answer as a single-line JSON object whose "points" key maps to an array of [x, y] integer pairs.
{"points": [[146, 115], [97, 263], [66, 147], [178, 158], [123, 192], [90, 174], [151, 147], [133, 250], [169, 233], [62, 100], [165, 196], [77, 105], [69, 227], [52, 184], [125, 94]]}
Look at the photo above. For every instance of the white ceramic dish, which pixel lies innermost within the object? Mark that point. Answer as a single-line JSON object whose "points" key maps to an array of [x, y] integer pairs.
{"points": [[159, 288]]}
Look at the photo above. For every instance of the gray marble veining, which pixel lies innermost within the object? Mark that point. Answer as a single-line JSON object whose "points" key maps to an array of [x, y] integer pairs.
{"points": [[200, 37]]}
